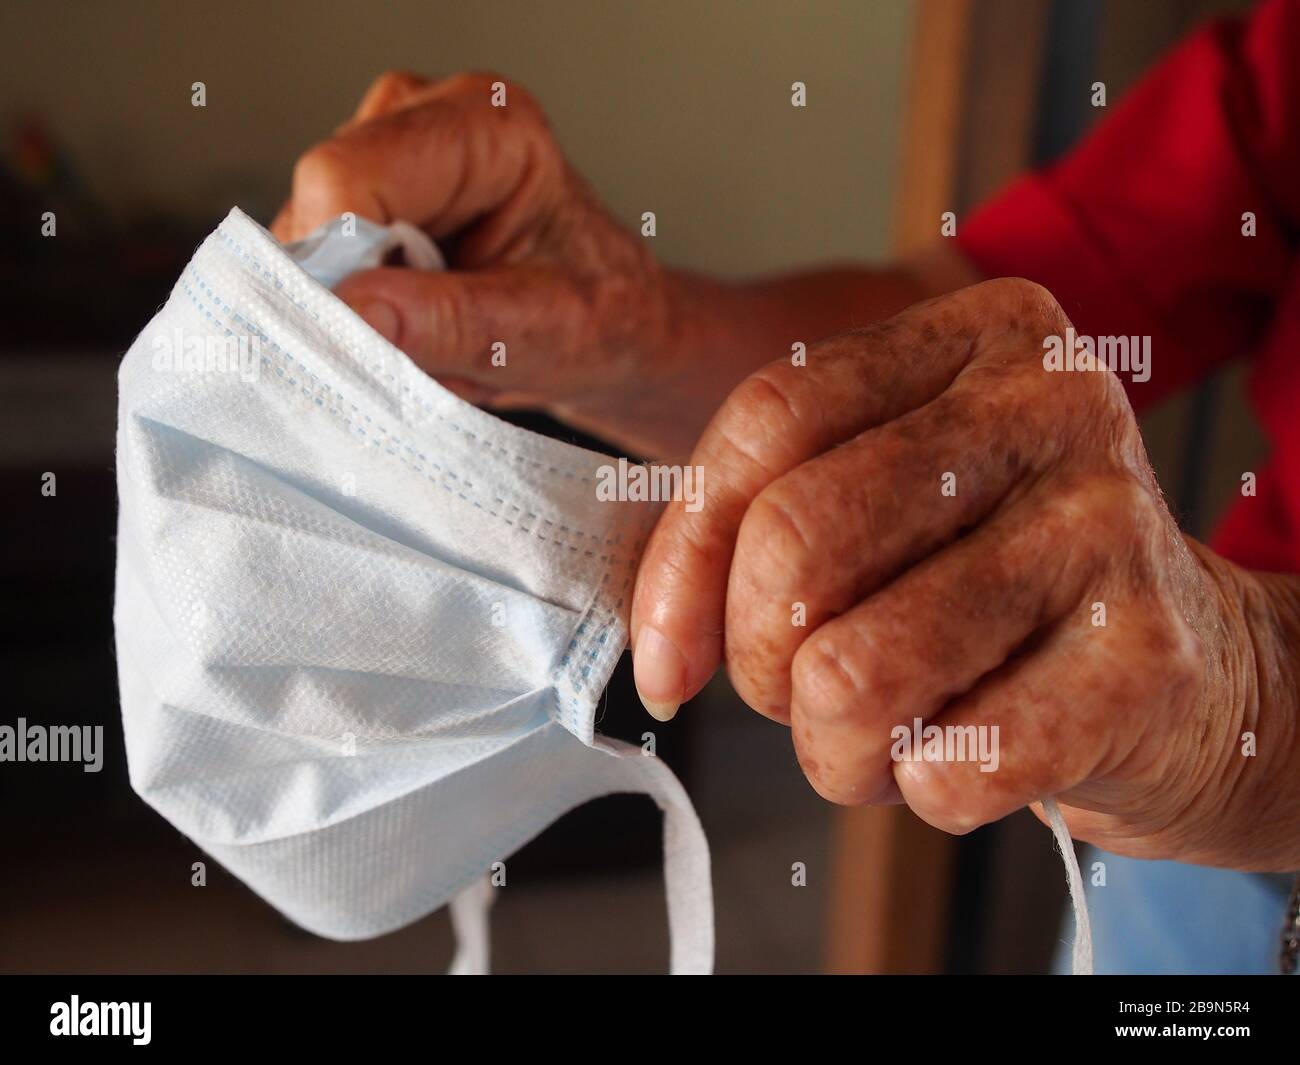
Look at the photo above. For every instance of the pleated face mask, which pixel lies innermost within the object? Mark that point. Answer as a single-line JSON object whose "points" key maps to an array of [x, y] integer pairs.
{"points": [[362, 627]]}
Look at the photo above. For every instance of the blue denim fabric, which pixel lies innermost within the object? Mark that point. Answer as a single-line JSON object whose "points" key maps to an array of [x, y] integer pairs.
{"points": [[1165, 917]]}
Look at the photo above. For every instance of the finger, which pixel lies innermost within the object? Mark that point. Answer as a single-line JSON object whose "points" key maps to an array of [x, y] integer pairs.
{"points": [[929, 636], [1060, 721], [777, 419], [389, 92], [439, 163], [507, 330], [282, 227], [833, 531], [772, 422]]}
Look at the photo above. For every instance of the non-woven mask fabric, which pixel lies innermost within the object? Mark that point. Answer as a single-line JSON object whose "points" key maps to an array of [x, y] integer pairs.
{"points": [[363, 627]]}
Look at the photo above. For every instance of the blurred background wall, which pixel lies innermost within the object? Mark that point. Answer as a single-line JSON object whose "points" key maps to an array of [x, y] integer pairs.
{"points": [[678, 107], [681, 108]]}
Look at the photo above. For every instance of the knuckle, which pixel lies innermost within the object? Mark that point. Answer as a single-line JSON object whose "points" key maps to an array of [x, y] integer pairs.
{"points": [[324, 167], [762, 399], [997, 407], [777, 546], [1128, 511], [756, 422], [1027, 302], [1078, 504], [824, 686], [444, 317], [1104, 511], [436, 321], [846, 675], [393, 83], [683, 556]]}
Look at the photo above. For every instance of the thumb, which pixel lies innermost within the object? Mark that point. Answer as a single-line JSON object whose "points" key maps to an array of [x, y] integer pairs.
{"points": [[487, 326]]}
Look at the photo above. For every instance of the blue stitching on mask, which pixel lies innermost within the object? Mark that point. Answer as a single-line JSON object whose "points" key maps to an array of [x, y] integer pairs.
{"points": [[567, 687], [559, 541], [374, 371]]}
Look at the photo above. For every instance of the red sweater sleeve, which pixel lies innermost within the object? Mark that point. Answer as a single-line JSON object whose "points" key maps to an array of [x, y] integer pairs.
{"points": [[1139, 230]]}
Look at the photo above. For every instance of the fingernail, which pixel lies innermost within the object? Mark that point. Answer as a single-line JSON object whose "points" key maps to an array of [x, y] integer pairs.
{"points": [[660, 673], [382, 318]]}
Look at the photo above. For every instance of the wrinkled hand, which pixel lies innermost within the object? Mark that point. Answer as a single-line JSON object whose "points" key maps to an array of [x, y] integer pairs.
{"points": [[956, 522], [594, 330]]}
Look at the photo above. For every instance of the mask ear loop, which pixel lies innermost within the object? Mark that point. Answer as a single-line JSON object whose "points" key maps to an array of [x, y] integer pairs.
{"points": [[688, 877], [1074, 878], [469, 922], [418, 251], [689, 881]]}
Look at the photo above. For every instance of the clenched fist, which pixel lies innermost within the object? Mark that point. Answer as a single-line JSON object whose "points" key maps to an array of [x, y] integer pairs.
{"points": [[923, 522]]}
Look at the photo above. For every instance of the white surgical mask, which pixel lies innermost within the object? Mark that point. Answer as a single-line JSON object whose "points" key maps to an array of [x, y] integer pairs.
{"points": [[363, 627]]}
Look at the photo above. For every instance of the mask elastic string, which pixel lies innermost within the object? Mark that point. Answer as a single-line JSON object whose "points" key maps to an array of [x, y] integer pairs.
{"points": [[689, 887], [420, 252], [469, 922], [1082, 926], [330, 254], [687, 876]]}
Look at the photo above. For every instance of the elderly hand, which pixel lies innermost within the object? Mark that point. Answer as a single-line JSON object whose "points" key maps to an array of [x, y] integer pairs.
{"points": [[924, 523], [594, 330]]}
